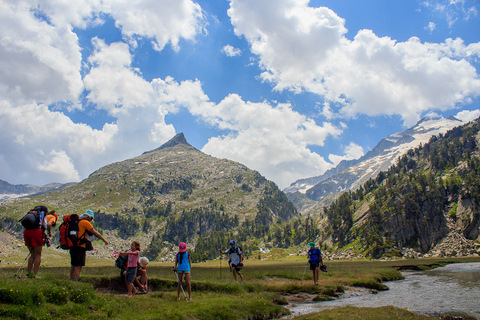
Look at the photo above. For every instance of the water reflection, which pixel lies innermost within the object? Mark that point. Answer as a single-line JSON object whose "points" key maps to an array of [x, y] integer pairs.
{"points": [[455, 287]]}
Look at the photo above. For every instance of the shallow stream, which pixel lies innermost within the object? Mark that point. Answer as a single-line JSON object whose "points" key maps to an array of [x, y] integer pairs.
{"points": [[455, 287]]}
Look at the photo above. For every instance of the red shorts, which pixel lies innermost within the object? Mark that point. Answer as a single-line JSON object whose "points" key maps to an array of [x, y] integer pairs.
{"points": [[33, 237]]}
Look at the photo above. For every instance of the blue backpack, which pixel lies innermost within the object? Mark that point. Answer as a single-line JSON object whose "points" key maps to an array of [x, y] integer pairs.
{"points": [[314, 255]]}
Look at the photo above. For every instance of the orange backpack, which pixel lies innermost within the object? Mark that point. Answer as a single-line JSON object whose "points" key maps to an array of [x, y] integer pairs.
{"points": [[69, 231]]}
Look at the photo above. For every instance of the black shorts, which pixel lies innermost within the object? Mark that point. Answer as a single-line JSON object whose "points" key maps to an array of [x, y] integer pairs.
{"points": [[237, 267], [314, 265], [78, 256], [131, 274]]}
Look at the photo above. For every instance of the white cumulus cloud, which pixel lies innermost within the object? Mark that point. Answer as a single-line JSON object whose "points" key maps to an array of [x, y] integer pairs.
{"points": [[351, 152], [230, 51], [273, 140], [467, 115], [302, 48]]}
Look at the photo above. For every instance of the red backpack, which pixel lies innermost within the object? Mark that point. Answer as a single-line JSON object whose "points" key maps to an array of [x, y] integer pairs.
{"points": [[69, 231]]}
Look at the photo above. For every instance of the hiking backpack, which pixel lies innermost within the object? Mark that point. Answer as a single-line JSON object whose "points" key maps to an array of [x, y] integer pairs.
{"points": [[32, 219], [315, 255], [69, 231], [121, 262]]}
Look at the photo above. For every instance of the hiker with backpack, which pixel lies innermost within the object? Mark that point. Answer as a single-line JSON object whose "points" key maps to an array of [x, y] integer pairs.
{"points": [[236, 259], [314, 256], [184, 263], [35, 223], [78, 250]]}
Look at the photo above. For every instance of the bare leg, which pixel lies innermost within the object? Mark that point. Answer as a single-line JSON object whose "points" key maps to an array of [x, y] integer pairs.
{"points": [[143, 279], [138, 284], [131, 289], [189, 287], [34, 260], [37, 259], [241, 277], [315, 275], [30, 260], [180, 278], [75, 272]]}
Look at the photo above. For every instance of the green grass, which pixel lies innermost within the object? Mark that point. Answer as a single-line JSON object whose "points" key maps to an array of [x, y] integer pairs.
{"points": [[101, 295], [63, 299], [350, 313]]}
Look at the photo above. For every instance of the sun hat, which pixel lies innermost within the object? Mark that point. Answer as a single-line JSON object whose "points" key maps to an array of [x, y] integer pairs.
{"points": [[90, 213], [311, 244], [182, 247], [143, 261], [232, 241]]}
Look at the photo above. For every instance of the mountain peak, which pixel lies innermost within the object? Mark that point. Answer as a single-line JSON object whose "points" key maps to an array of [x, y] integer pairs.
{"points": [[178, 139]]}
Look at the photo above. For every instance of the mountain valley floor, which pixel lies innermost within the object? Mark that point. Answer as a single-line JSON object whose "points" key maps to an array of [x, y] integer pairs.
{"points": [[266, 292]]}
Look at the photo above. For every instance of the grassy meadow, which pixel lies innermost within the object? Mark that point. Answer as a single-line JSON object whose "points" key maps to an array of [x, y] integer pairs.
{"points": [[263, 294]]}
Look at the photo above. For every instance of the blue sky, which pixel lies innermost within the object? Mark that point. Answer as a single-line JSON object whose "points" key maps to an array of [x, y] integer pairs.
{"points": [[287, 87]]}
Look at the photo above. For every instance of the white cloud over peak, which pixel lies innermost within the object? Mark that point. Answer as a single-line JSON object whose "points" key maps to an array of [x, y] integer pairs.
{"points": [[467, 115], [270, 139], [305, 48], [352, 151]]}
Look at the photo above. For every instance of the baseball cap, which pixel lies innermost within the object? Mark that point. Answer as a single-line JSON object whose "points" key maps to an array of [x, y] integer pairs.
{"points": [[182, 247], [232, 241], [311, 244]]}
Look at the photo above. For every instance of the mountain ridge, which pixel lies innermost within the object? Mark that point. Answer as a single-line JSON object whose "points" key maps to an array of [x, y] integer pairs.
{"points": [[349, 175], [170, 194], [425, 205]]}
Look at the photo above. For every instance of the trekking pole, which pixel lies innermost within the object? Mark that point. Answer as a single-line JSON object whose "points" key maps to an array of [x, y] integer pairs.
{"points": [[304, 271], [180, 284], [21, 266]]}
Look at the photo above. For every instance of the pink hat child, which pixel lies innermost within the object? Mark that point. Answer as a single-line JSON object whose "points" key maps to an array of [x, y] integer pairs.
{"points": [[182, 247]]}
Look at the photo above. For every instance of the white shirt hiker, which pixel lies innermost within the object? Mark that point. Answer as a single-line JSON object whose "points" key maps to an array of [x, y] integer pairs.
{"points": [[234, 254]]}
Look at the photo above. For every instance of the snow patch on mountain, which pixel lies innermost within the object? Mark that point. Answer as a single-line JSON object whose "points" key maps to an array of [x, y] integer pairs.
{"points": [[349, 175]]}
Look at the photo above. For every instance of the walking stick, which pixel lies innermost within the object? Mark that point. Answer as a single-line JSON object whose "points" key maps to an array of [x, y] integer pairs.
{"points": [[180, 284], [304, 271], [220, 266], [22, 265]]}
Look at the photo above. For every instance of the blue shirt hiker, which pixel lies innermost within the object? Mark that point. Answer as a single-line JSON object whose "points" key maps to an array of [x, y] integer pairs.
{"points": [[315, 259]]}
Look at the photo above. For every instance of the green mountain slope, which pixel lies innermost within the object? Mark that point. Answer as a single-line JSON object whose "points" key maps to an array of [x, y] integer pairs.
{"points": [[170, 194], [431, 194]]}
